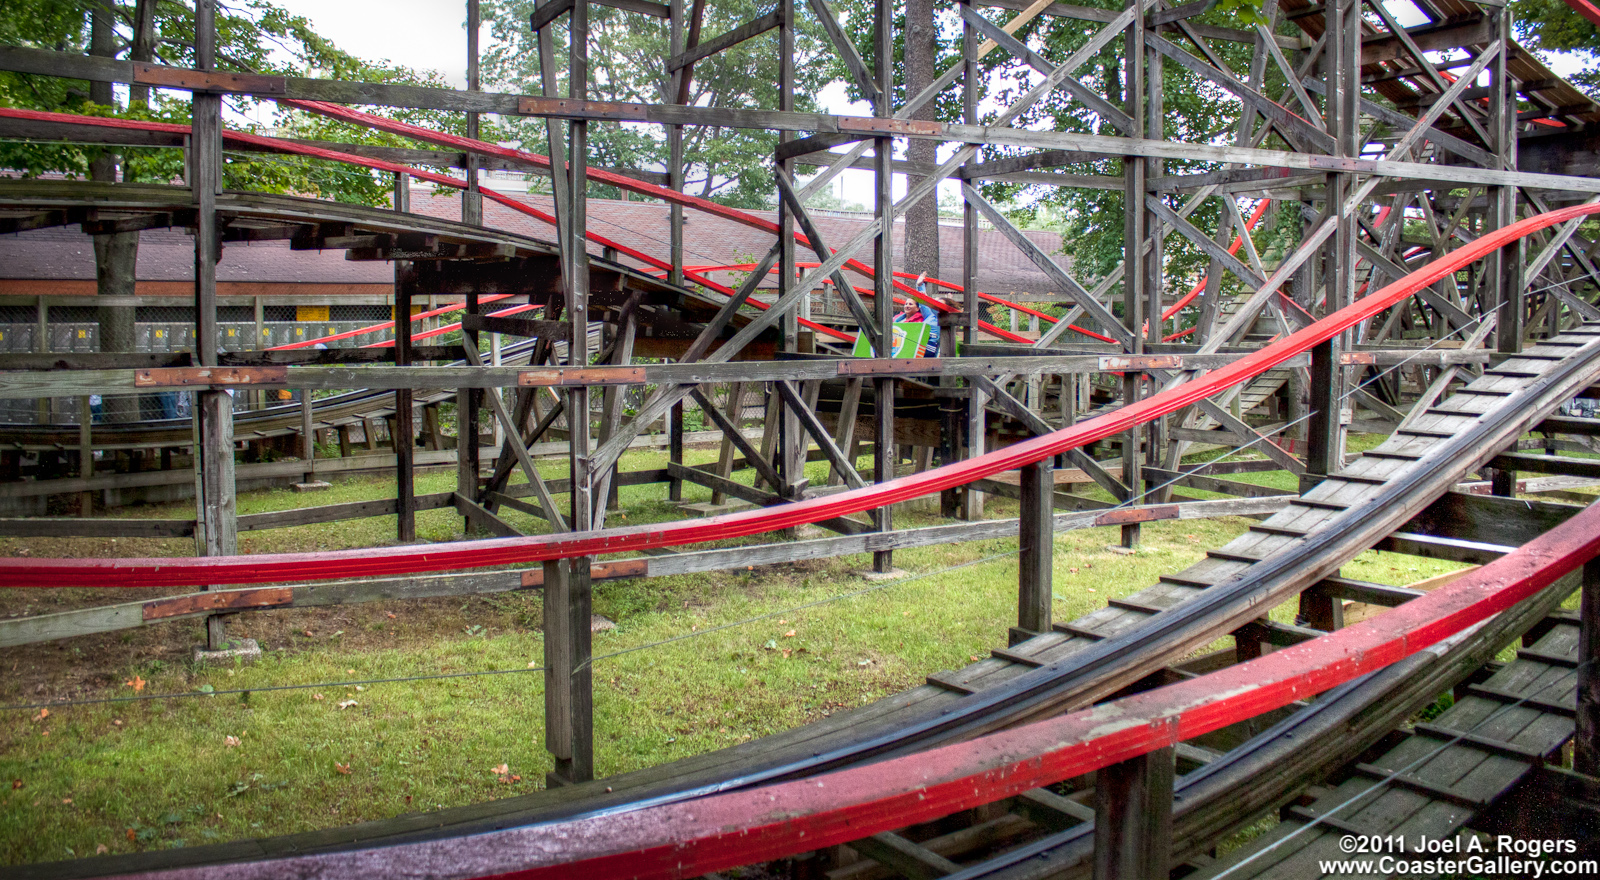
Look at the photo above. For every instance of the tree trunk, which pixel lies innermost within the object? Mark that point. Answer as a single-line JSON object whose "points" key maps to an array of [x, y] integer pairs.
{"points": [[115, 255], [922, 221]]}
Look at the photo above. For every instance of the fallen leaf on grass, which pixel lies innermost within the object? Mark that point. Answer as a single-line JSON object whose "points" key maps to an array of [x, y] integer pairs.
{"points": [[342, 768], [789, 634], [116, 722], [16, 784], [43, 714], [501, 770], [67, 801], [230, 741], [132, 836], [391, 615], [101, 850], [317, 697], [345, 704], [136, 683]]}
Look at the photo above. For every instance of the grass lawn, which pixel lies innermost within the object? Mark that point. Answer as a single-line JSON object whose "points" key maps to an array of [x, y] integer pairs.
{"points": [[695, 663]]}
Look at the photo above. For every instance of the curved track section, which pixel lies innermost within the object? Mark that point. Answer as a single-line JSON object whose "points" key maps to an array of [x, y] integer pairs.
{"points": [[772, 821], [1098, 655]]}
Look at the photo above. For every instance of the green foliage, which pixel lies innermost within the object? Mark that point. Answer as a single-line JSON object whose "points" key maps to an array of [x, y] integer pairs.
{"points": [[1551, 26], [252, 35], [731, 166]]}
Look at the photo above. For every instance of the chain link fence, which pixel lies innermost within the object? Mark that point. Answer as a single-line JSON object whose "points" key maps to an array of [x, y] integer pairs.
{"points": [[65, 329]]}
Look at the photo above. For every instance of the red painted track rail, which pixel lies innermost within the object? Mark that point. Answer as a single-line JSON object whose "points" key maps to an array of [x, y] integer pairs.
{"points": [[390, 561], [714, 833]]}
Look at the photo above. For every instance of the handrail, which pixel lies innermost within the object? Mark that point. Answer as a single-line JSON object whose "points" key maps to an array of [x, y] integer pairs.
{"points": [[36, 572]]}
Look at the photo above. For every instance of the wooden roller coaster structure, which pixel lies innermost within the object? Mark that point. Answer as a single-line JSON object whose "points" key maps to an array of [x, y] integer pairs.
{"points": [[1380, 133]]}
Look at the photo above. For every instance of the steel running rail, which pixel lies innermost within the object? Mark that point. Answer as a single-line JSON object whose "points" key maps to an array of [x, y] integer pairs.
{"points": [[35, 572]]}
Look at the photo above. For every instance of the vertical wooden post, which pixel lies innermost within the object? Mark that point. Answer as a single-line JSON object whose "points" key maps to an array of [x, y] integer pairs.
{"points": [[675, 449], [471, 199], [1133, 817], [308, 438], [1319, 610], [1505, 265], [568, 685], [1136, 280], [216, 525], [1503, 483], [792, 442], [85, 453], [1586, 740], [467, 415], [1036, 543], [569, 716], [1342, 66], [1155, 433], [883, 453], [951, 414], [976, 432], [677, 36], [403, 429]]}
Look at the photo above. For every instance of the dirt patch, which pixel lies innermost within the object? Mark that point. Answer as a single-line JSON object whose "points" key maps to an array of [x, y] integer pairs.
{"points": [[89, 665]]}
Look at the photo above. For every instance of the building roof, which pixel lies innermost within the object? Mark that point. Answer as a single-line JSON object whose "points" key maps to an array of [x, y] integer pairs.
{"points": [[710, 240], [64, 253]]}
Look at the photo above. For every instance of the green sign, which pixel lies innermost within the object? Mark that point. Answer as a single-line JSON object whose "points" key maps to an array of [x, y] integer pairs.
{"points": [[910, 339]]}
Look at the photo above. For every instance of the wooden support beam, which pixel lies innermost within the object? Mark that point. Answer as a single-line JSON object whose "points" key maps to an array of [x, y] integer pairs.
{"points": [[1587, 468], [1133, 817], [727, 40], [904, 857], [1036, 545]]}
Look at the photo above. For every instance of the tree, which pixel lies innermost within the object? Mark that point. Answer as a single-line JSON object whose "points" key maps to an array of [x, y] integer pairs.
{"points": [[627, 55], [920, 55], [1553, 27], [252, 35]]}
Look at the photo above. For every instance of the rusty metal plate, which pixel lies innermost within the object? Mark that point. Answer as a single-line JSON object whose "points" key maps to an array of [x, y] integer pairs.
{"points": [[1358, 358], [599, 571], [228, 600], [1136, 515], [204, 81], [210, 376], [1141, 362], [889, 366], [582, 376], [890, 126]]}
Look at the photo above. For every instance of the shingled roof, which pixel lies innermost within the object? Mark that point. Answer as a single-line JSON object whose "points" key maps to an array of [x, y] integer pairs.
{"points": [[710, 240], [62, 258]]}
